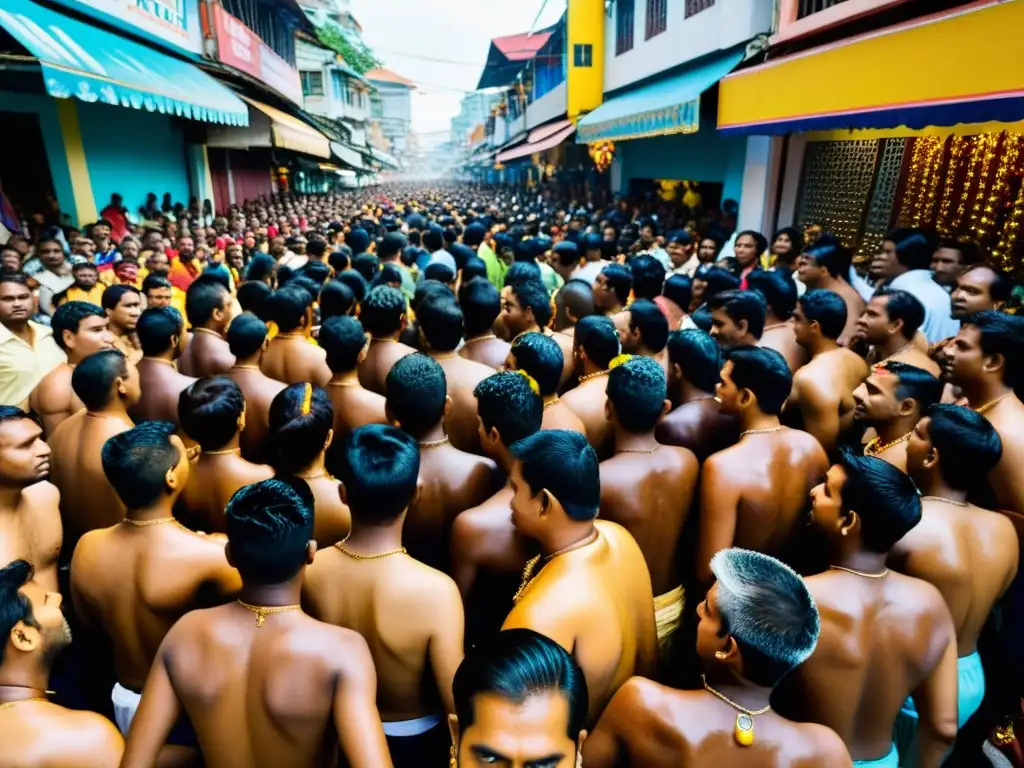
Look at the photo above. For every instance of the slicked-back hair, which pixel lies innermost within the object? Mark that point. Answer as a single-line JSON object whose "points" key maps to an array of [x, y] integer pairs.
{"points": [[382, 310], [596, 335], [969, 446], [157, 327], [718, 280], [475, 268], [343, 339], [481, 305], [270, 525], [416, 390], [913, 248], [637, 390], [522, 272], [567, 253], [542, 358], [440, 318], [288, 307], [336, 300], [742, 305], [620, 280], [884, 498], [356, 283], [209, 410], [16, 607], [564, 464], [679, 290], [378, 465], [261, 266], [827, 309], [367, 265], [1002, 334], [93, 378], [698, 356], [297, 435], [516, 665], [915, 383], [777, 289], [245, 335], [1002, 285], [645, 316], [136, 462], [832, 256], [113, 294], [505, 402], [253, 297], [532, 295], [765, 373], [648, 276], [440, 272], [203, 298], [900, 305], [769, 612], [69, 316]]}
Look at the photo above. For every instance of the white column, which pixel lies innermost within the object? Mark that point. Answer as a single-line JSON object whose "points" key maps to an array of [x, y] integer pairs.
{"points": [[760, 180], [791, 180]]}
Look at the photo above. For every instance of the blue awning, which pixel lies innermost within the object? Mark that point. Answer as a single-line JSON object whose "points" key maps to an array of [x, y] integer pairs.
{"points": [[98, 66], [669, 106]]}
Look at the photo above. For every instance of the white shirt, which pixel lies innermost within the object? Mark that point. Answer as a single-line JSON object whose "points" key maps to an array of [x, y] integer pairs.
{"points": [[590, 271], [938, 324]]}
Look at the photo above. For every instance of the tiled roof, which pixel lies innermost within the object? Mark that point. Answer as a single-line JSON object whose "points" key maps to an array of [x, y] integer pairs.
{"points": [[382, 75], [521, 47]]}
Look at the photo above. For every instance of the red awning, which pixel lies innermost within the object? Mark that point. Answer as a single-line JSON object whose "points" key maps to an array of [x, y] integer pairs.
{"points": [[544, 144], [541, 133]]}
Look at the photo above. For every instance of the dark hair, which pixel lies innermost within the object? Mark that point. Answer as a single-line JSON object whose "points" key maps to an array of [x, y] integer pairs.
{"points": [[433, 240], [288, 307], [209, 410], [648, 276], [19, 278], [382, 310], [637, 390], [777, 289], [69, 317], [156, 327], [596, 335], [765, 373], [246, 335], [253, 297], [915, 383], [16, 607], [827, 309], [1002, 334], [205, 295], [884, 497], [341, 259], [367, 265], [152, 282], [94, 377], [462, 254], [269, 526], [567, 253], [795, 237], [136, 462], [913, 248], [532, 295], [679, 290], [698, 356], [416, 390], [620, 280], [718, 281], [113, 294], [316, 271], [522, 272], [390, 245], [260, 267], [379, 466], [969, 446], [475, 267], [440, 319], [903, 306], [759, 240], [316, 249], [356, 284], [297, 435], [505, 402], [515, 665], [542, 358], [1002, 283], [474, 235], [439, 271], [358, 240], [562, 463], [648, 318], [740, 306], [336, 300], [481, 305], [342, 338], [832, 256]]}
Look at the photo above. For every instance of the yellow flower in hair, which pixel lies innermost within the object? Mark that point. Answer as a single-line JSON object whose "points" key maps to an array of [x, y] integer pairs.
{"points": [[272, 330], [307, 399], [617, 361], [531, 381]]}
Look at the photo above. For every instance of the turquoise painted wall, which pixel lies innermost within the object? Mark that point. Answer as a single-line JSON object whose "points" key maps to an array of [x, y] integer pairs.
{"points": [[133, 152], [43, 106]]}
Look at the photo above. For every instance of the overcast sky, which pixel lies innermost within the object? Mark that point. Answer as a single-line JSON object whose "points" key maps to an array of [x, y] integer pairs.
{"points": [[405, 34]]}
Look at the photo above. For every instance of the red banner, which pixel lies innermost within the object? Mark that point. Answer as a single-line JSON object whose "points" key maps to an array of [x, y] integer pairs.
{"points": [[237, 45]]}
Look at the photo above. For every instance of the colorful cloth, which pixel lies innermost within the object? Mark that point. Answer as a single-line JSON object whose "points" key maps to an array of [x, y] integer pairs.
{"points": [[668, 614], [891, 760]]}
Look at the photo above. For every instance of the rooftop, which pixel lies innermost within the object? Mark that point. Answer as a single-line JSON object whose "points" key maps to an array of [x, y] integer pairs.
{"points": [[521, 47], [381, 75]]}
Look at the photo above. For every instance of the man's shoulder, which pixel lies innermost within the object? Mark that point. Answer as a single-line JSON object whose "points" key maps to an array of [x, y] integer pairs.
{"points": [[43, 492]]}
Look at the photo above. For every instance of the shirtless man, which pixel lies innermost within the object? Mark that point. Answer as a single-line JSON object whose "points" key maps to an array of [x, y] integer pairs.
{"points": [[162, 335], [824, 267], [441, 327], [754, 493], [697, 421], [757, 623], [213, 662], [541, 358], [108, 385], [822, 399], [884, 636], [889, 323], [648, 488], [525, 307], [123, 305], [291, 357], [33, 632], [382, 314], [892, 399], [779, 292], [589, 589], [30, 527], [573, 302], [451, 481], [487, 556], [968, 553], [79, 328], [408, 613], [212, 412], [986, 360], [612, 287], [481, 305], [301, 431], [132, 581], [209, 307], [247, 340], [595, 345], [347, 345], [643, 330], [737, 318]]}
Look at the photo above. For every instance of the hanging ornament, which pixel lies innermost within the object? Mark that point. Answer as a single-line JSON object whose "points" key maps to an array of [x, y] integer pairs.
{"points": [[602, 153]]}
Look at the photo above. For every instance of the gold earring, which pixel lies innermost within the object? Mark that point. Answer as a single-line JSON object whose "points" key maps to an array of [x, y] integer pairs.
{"points": [[845, 531], [453, 761], [720, 655]]}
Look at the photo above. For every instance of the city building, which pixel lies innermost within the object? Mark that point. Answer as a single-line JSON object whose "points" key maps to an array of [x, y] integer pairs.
{"points": [[392, 107]]}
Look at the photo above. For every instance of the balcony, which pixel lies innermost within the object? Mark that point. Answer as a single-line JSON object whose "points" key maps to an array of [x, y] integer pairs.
{"points": [[803, 18], [810, 7]]}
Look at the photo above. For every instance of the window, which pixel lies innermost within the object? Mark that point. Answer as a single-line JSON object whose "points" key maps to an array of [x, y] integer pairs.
{"points": [[696, 6], [337, 85], [657, 18], [583, 55], [624, 26], [312, 83]]}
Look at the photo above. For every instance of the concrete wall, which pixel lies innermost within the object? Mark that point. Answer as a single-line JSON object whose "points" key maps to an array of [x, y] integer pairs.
{"points": [[550, 106]]}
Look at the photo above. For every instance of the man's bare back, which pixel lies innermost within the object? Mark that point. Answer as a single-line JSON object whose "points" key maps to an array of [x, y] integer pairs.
{"points": [[1007, 481], [162, 384], [54, 399], [822, 399], [486, 350], [587, 401], [382, 355], [462, 377], [699, 425], [354, 407], [42, 734], [292, 359], [782, 339], [32, 532], [259, 391], [207, 354], [211, 484]]}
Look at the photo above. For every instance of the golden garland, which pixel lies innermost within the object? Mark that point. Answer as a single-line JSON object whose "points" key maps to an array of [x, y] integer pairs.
{"points": [[989, 142], [1007, 163], [602, 153], [910, 195], [1011, 232], [956, 150], [936, 156]]}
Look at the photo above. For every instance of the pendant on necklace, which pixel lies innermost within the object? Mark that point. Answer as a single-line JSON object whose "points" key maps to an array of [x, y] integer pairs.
{"points": [[744, 731]]}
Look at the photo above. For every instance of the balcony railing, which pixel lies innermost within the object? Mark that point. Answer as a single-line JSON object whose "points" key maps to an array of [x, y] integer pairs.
{"points": [[810, 7]]}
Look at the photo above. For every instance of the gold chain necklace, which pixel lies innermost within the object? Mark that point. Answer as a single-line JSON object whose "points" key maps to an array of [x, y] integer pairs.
{"points": [[262, 611], [552, 402], [146, 523], [766, 431], [860, 573], [384, 341], [531, 565], [225, 452], [354, 383], [873, 448], [246, 368], [171, 363], [357, 556], [743, 732], [478, 339], [991, 403], [641, 451], [899, 351], [434, 443], [944, 500], [314, 475], [593, 375], [10, 704]]}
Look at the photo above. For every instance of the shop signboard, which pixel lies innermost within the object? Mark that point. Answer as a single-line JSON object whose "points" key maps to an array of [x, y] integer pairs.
{"points": [[173, 23], [241, 48]]}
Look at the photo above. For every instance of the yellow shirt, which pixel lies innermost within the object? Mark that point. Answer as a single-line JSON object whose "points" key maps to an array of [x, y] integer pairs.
{"points": [[94, 295], [22, 366]]}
